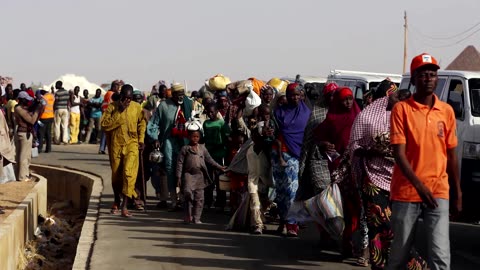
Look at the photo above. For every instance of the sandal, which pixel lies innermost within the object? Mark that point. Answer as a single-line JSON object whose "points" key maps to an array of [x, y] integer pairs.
{"points": [[126, 214], [364, 258], [139, 205], [114, 209], [362, 261]]}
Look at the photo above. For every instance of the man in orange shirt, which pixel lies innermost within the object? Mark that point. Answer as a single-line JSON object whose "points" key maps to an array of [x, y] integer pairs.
{"points": [[46, 118], [423, 137]]}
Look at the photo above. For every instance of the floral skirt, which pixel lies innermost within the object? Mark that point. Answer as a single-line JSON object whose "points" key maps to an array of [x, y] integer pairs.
{"points": [[286, 183], [380, 234]]}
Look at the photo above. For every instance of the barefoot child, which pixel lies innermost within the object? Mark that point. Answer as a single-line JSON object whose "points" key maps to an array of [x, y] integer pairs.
{"points": [[192, 169]]}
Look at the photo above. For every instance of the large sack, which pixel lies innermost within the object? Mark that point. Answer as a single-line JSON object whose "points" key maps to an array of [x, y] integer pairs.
{"points": [[257, 85], [240, 87], [218, 82], [279, 85], [327, 210]]}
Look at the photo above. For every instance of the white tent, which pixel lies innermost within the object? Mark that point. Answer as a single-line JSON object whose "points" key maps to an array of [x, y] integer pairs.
{"points": [[72, 80]]}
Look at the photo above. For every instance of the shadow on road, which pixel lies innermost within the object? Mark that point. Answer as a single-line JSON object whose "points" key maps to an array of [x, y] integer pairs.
{"points": [[236, 250]]}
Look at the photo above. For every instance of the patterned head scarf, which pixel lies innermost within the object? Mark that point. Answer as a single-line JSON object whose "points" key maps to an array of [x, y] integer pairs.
{"points": [[385, 88]]}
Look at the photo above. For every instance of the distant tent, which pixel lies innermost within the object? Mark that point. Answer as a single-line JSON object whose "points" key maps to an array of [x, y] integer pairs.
{"points": [[468, 60]]}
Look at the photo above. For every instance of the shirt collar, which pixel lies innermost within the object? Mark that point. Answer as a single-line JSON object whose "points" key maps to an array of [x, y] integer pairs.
{"points": [[418, 106]]}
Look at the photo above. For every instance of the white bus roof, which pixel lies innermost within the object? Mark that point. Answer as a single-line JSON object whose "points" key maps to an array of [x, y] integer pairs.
{"points": [[459, 73], [307, 79], [311, 79], [367, 76]]}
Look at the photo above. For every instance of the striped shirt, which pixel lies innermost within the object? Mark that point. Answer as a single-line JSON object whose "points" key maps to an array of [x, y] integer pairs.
{"points": [[61, 99]]}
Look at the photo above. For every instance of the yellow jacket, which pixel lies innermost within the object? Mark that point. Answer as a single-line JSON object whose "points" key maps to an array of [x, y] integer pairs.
{"points": [[125, 127]]}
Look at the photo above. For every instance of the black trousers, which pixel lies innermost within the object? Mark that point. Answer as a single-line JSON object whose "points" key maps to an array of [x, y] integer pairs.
{"points": [[45, 132]]}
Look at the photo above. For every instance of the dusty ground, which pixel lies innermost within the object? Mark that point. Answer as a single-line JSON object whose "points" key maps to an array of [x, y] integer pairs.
{"points": [[11, 194]]}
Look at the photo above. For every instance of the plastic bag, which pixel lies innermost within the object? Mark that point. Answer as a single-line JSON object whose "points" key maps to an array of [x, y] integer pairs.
{"points": [[8, 174], [327, 210], [34, 152], [240, 221], [252, 102], [299, 212]]}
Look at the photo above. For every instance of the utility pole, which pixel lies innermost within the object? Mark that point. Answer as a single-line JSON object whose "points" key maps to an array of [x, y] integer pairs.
{"points": [[405, 26]]}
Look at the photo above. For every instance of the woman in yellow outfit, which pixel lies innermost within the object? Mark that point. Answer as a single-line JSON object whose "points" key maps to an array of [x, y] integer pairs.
{"points": [[125, 124]]}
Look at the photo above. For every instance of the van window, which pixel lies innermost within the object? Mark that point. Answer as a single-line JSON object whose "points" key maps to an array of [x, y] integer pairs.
{"points": [[405, 83], [455, 98], [359, 90], [474, 86], [438, 91]]}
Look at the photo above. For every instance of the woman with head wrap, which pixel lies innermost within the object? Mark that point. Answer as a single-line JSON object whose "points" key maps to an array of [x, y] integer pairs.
{"points": [[313, 175], [267, 95], [332, 136], [328, 92], [291, 120], [372, 167], [238, 93]]}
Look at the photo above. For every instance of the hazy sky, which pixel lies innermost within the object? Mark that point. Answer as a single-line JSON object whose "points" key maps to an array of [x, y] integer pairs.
{"points": [[144, 41]]}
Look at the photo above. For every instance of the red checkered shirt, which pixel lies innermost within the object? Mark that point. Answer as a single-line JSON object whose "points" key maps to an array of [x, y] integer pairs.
{"points": [[370, 132]]}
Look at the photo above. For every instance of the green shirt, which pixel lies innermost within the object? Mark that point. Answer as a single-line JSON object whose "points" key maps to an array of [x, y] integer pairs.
{"points": [[215, 138]]}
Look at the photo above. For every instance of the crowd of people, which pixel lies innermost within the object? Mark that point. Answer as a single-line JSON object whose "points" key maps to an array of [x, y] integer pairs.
{"points": [[267, 145]]}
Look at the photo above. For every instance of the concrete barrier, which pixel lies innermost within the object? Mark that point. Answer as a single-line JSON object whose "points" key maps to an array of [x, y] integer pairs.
{"points": [[84, 190], [19, 227]]}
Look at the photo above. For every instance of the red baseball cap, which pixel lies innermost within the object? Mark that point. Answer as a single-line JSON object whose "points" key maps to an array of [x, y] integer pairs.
{"points": [[423, 60]]}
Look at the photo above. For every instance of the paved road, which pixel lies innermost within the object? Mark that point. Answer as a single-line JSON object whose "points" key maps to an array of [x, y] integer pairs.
{"points": [[159, 240]]}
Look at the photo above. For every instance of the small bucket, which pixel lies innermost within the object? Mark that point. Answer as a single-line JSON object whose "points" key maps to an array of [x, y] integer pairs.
{"points": [[224, 182]]}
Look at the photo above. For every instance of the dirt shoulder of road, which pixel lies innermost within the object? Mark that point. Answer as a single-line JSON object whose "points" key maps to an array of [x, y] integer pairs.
{"points": [[11, 195]]}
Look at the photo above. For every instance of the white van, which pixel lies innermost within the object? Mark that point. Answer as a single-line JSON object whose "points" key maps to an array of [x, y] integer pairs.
{"points": [[360, 82], [461, 89], [307, 79]]}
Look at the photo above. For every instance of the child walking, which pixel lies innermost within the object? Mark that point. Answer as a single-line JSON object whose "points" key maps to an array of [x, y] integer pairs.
{"points": [[216, 134], [192, 169]]}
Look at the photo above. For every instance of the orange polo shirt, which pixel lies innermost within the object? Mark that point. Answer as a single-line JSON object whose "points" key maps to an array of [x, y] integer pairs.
{"points": [[427, 134]]}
